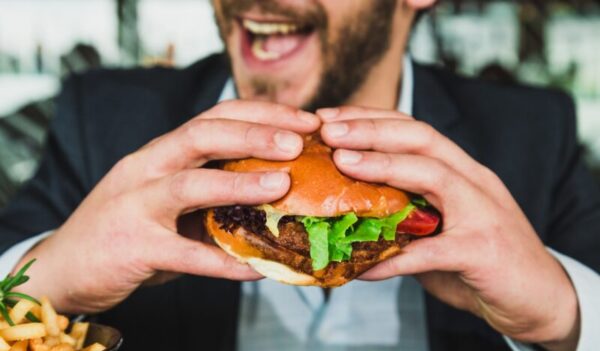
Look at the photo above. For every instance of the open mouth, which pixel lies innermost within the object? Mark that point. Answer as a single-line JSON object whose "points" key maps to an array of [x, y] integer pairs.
{"points": [[269, 42]]}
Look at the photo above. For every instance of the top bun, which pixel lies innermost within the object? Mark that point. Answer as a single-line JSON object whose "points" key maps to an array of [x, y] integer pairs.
{"points": [[319, 189]]}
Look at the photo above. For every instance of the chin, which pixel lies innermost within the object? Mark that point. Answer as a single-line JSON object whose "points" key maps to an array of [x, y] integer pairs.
{"points": [[298, 97]]}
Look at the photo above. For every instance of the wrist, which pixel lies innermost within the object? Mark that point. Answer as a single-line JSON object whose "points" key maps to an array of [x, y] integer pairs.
{"points": [[43, 281], [565, 331], [568, 330]]}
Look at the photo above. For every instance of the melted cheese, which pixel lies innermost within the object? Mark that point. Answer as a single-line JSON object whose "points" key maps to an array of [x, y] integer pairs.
{"points": [[273, 217]]}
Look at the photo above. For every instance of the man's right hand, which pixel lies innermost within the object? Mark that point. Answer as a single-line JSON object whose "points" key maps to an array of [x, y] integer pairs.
{"points": [[125, 233]]}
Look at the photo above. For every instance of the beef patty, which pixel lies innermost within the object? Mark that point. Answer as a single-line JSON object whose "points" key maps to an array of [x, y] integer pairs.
{"points": [[292, 234]]}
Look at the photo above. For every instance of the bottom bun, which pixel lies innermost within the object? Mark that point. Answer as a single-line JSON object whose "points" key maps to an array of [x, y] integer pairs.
{"points": [[271, 269], [290, 267]]}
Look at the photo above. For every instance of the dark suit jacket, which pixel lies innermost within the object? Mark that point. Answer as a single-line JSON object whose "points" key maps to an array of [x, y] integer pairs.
{"points": [[527, 136]]}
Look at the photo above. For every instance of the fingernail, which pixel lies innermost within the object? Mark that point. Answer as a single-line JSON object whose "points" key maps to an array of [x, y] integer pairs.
{"points": [[336, 130], [328, 113], [348, 157], [307, 117], [286, 141], [272, 181]]}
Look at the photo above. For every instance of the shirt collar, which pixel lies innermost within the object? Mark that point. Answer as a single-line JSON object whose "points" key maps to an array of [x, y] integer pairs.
{"points": [[405, 105]]}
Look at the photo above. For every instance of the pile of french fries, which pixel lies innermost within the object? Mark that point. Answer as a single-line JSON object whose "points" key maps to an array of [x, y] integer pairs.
{"points": [[49, 335]]}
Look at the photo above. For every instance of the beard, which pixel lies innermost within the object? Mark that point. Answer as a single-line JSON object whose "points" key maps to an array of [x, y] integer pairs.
{"points": [[349, 53]]}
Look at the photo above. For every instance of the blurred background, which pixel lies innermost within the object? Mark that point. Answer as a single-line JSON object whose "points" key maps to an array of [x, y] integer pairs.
{"points": [[537, 42]]}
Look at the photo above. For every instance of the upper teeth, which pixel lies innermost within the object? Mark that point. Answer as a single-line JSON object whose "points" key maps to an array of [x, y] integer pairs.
{"points": [[269, 28]]}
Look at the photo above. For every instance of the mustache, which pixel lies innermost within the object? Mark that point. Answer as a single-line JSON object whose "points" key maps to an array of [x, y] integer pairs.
{"points": [[313, 15]]}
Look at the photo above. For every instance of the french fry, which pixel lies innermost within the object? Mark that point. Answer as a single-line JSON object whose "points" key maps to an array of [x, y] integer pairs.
{"points": [[49, 317], [79, 332], [37, 344], [63, 322], [23, 332], [95, 347], [4, 324], [67, 339], [17, 314], [4, 346], [20, 346], [51, 341], [62, 347]]}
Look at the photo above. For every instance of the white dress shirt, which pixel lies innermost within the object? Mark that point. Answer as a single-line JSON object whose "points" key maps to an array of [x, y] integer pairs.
{"points": [[360, 316]]}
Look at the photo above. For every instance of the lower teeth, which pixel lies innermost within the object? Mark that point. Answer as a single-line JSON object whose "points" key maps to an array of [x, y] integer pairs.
{"points": [[260, 53]]}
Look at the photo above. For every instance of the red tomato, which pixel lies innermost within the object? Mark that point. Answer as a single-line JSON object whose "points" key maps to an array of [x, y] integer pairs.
{"points": [[419, 222]]}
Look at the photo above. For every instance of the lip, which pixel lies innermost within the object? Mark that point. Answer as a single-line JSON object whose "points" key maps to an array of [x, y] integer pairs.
{"points": [[263, 65]]}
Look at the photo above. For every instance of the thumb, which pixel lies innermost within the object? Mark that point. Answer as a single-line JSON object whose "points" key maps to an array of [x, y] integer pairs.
{"points": [[182, 255], [438, 253]]}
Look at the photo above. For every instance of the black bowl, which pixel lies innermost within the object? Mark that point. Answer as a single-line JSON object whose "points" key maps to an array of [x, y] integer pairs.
{"points": [[107, 336]]}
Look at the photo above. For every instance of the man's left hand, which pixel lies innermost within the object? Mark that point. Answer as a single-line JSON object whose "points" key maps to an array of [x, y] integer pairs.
{"points": [[488, 259]]}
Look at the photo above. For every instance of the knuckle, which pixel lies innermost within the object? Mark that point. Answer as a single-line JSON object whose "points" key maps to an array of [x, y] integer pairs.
{"points": [[427, 134], [252, 134], [390, 266], [373, 127], [239, 184], [195, 128], [228, 264], [179, 186], [442, 176], [199, 134], [488, 175], [124, 165], [285, 110], [254, 138], [351, 109], [369, 130], [386, 163]]}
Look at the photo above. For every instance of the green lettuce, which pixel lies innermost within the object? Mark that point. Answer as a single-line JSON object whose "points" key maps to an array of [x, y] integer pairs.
{"points": [[331, 239], [318, 231]]}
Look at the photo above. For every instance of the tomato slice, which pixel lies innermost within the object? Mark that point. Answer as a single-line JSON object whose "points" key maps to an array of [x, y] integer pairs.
{"points": [[419, 222]]}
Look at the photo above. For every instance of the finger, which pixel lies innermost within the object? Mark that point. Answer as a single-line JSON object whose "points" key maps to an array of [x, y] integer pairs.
{"points": [[400, 136], [275, 115], [194, 189], [346, 113], [177, 254], [200, 141], [439, 253], [451, 289], [440, 184]]}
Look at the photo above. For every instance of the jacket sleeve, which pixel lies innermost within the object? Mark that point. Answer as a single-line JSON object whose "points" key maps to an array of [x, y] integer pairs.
{"points": [[574, 228], [59, 184]]}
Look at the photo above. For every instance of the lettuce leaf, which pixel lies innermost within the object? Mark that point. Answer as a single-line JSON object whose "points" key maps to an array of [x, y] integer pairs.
{"points": [[339, 251], [367, 230], [390, 223], [318, 231], [331, 239]]}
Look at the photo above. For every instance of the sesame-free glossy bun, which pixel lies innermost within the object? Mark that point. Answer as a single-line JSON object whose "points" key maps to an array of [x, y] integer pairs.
{"points": [[319, 189]]}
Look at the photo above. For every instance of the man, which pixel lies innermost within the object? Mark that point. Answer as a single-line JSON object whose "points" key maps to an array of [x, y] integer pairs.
{"points": [[125, 174]]}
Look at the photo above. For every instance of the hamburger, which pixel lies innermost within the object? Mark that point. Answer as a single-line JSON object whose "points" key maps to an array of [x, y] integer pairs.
{"points": [[327, 230]]}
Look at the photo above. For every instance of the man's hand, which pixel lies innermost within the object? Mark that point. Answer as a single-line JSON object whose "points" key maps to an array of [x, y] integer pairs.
{"points": [[125, 233], [488, 259]]}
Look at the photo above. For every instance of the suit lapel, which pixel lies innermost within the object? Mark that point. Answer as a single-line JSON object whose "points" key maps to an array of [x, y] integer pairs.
{"points": [[432, 102], [211, 83]]}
